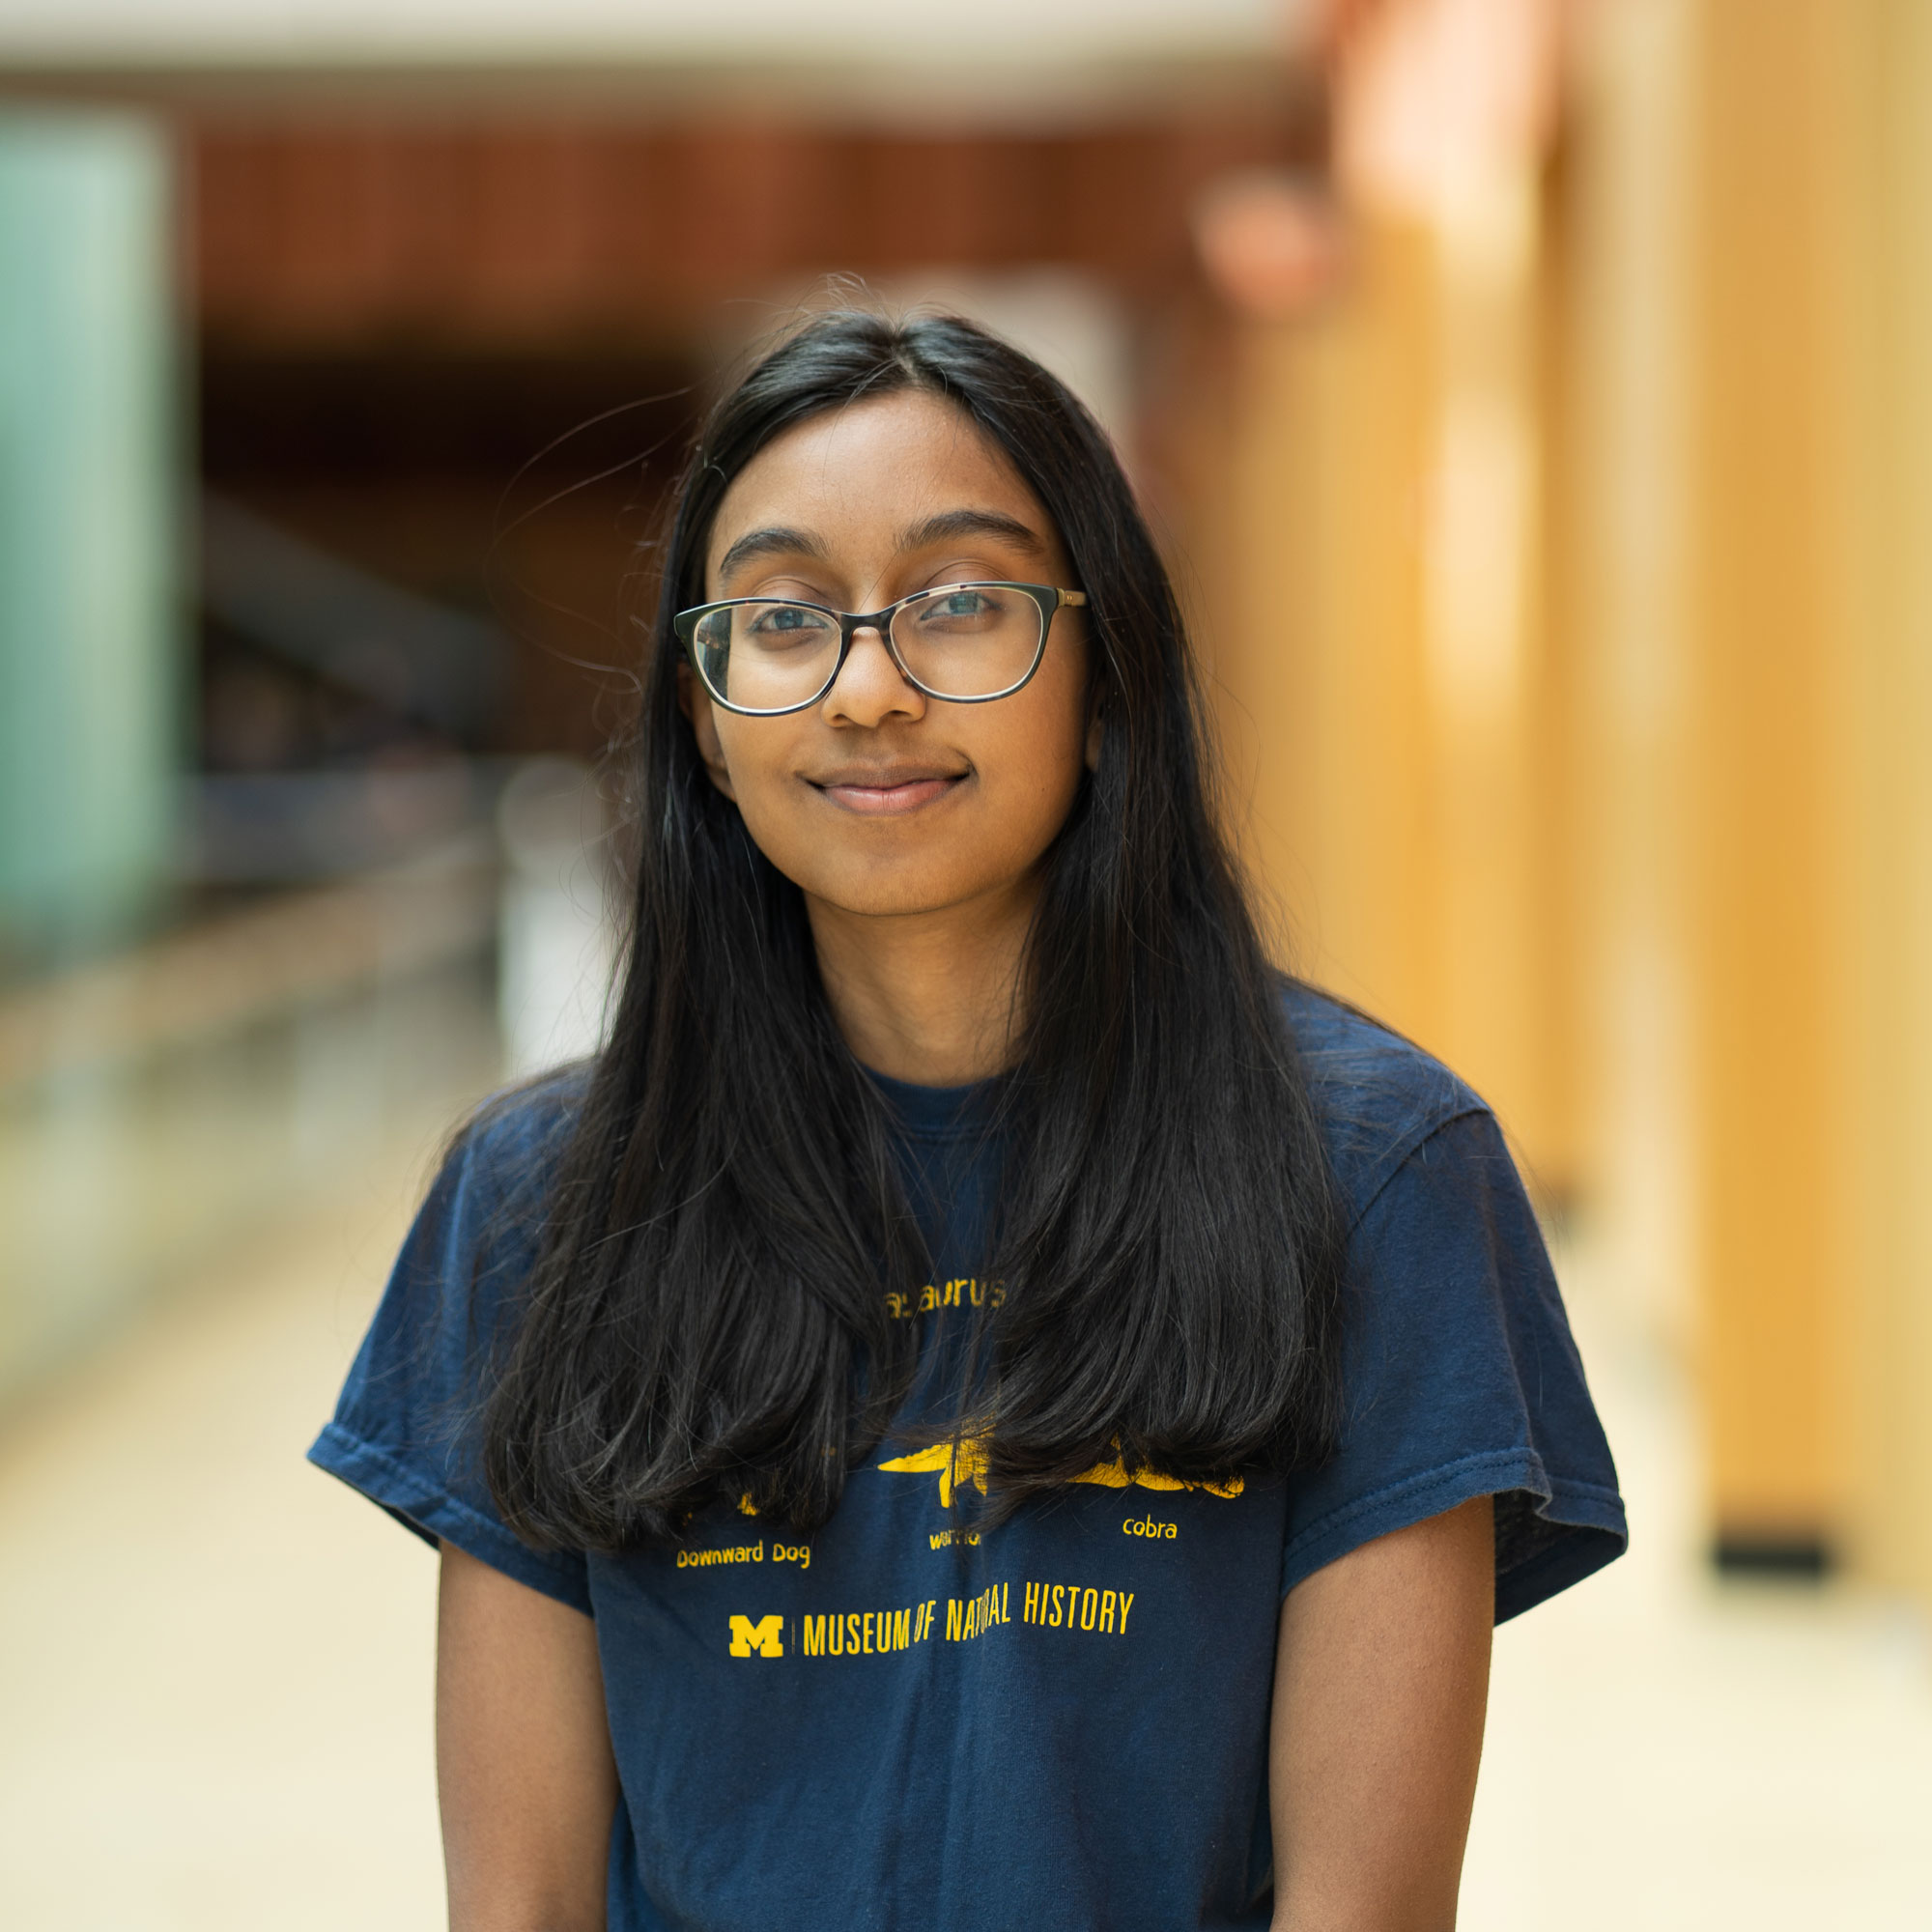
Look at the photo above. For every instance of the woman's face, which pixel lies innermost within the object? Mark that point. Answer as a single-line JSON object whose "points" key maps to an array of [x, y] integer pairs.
{"points": [[878, 800]]}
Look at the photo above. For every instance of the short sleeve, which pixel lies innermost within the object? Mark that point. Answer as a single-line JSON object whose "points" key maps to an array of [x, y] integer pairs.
{"points": [[405, 1431], [1460, 1379]]}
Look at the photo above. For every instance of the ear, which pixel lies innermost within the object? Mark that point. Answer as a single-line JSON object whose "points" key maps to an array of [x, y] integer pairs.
{"points": [[703, 721]]}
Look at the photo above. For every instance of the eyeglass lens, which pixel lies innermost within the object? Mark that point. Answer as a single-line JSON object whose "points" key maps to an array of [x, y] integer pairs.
{"points": [[966, 643]]}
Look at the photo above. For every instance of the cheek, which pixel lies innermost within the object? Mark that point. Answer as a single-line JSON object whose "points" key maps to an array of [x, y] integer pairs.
{"points": [[757, 754], [1032, 760], [1046, 739], [1034, 778]]}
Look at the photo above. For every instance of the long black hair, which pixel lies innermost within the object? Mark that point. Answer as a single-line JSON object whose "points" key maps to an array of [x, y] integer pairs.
{"points": [[708, 1315]]}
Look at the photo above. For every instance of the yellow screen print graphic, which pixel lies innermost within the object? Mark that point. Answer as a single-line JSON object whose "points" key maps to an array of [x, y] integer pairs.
{"points": [[763, 1638], [967, 1463]]}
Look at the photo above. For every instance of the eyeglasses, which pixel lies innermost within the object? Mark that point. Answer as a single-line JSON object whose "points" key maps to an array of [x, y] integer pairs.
{"points": [[967, 644]]}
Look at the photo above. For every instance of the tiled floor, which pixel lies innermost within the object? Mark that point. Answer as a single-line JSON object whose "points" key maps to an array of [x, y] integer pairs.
{"points": [[216, 1668], [1665, 1752], [215, 1662]]}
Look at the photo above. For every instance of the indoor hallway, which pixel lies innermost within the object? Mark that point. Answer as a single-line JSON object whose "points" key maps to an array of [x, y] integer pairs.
{"points": [[1536, 400]]}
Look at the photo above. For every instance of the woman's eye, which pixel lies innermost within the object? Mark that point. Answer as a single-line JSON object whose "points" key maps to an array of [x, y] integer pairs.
{"points": [[784, 623], [957, 609]]}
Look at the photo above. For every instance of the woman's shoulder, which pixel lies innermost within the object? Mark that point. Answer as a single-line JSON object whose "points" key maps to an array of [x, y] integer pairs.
{"points": [[486, 1206], [475, 1239], [405, 1429], [1379, 1096], [509, 1147]]}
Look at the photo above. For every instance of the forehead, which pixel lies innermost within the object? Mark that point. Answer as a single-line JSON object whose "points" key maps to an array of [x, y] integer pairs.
{"points": [[874, 467]]}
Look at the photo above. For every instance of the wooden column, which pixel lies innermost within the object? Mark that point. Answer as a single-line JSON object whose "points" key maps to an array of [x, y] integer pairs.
{"points": [[1314, 592], [1773, 402], [1368, 540]]}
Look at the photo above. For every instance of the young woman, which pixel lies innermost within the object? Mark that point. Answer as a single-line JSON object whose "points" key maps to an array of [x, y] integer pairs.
{"points": [[985, 1407]]}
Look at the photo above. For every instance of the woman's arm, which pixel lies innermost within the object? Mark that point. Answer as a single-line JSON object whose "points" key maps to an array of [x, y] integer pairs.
{"points": [[1380, 1681], [522, 1755]]}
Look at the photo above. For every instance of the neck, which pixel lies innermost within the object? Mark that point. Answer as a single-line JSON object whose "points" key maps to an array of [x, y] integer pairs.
{"points": [[927, 997]]}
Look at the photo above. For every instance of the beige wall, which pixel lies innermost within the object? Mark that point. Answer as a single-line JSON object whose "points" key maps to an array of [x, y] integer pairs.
{"points": [[1890, 1203]]}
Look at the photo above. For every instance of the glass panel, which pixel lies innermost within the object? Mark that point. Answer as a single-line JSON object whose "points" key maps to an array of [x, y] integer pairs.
{"points": [[969, 641], [766, 657]]}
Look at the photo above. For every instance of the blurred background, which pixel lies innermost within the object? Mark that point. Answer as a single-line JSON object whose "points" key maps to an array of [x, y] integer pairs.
{"points": [[1535, 399]]}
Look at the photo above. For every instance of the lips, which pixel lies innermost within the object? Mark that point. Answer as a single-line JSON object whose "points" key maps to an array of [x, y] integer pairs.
{"points": [[885, 791]]}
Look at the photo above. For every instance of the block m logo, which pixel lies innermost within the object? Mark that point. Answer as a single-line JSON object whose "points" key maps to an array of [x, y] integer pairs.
{"points": [[763, 1638]]}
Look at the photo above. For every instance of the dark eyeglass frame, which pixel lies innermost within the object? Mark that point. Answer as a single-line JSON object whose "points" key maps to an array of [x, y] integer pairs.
{"points": [[1046, 596]]}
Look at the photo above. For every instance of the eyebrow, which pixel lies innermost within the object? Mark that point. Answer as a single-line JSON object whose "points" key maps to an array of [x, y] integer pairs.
{"points": [[951, 524], [782, 540], [774, 540]]}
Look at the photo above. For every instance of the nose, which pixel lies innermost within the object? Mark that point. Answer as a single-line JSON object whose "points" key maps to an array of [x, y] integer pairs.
{"points": [[870, 687]]}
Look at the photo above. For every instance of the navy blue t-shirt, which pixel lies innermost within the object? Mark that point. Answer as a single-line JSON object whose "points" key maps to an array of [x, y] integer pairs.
{"points": [[900, 1721]]}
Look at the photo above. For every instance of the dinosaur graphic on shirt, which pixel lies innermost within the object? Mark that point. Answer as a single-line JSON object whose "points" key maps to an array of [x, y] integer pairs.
{"points": [[965, 1462]]}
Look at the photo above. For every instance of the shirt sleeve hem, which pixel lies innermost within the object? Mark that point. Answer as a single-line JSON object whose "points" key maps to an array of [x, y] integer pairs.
{"points": [[422, 1505], [1594, 1537], [1593, 1512]]}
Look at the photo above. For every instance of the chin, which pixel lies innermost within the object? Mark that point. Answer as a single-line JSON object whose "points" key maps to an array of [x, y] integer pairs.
{"points": [[890, 894], [885, 902]]}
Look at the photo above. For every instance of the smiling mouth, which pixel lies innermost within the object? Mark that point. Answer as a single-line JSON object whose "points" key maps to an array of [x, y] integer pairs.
{"points": [[886, 794]]}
